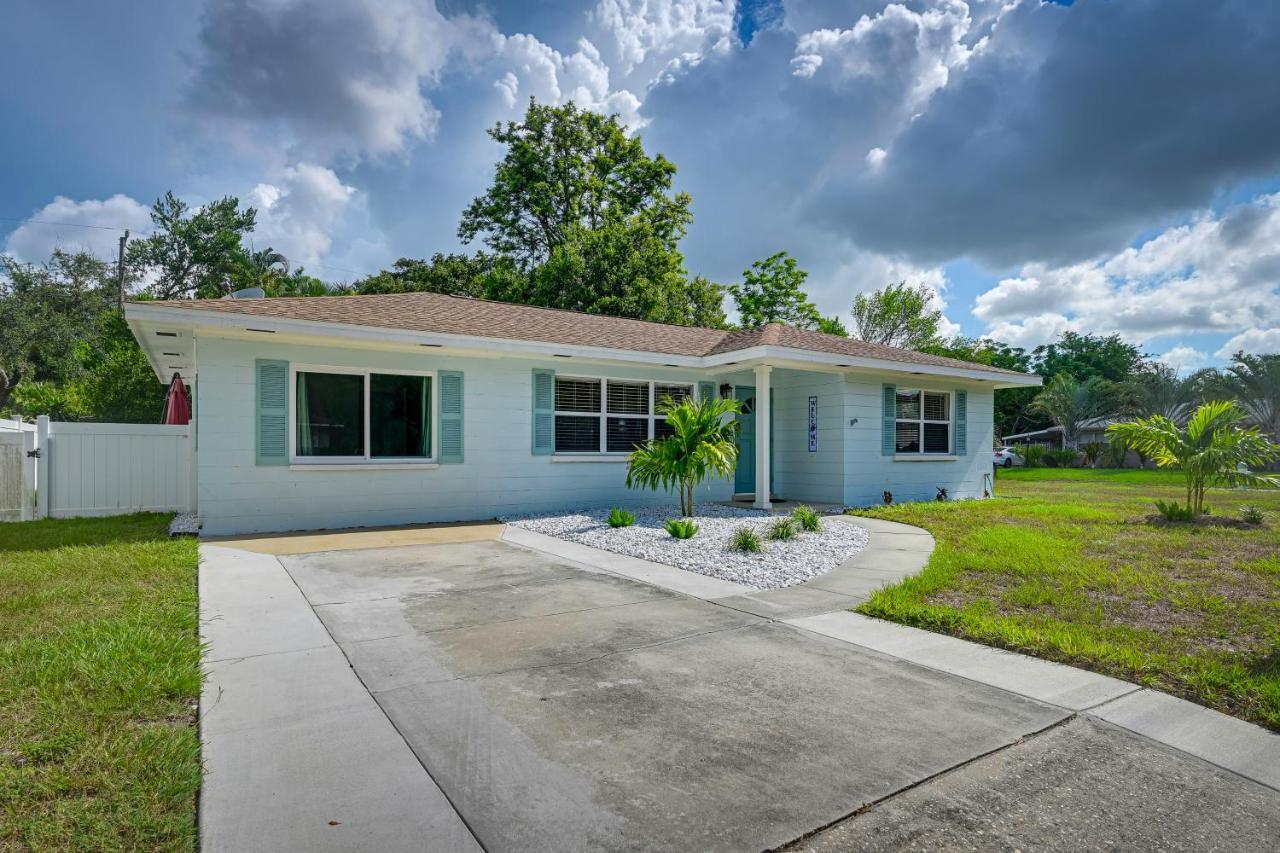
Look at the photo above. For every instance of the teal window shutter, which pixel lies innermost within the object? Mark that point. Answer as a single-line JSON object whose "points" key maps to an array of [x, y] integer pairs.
{"points": [[451, 409], [707, 390], [889, 421], [544, 411], [271, 435], [962, 423]]}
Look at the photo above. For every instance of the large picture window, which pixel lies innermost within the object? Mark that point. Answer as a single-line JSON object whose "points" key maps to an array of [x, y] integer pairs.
{"points": [[923, 422], [342, 416], [611, 415]]}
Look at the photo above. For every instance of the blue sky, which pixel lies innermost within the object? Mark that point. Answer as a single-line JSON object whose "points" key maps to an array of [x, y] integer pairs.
{"points": [[1102, 166]]}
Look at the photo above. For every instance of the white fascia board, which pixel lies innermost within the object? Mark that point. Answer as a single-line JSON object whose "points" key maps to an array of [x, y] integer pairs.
{"points": [[139, 333], [738, 359], [218, 321], [783, 356]]}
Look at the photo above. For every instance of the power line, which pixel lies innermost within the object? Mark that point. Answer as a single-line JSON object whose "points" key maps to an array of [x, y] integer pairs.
{"points": [[23, 219]]}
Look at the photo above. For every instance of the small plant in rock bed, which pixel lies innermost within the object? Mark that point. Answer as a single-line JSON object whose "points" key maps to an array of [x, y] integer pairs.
{"points": [[681, 528], [807, 518], [1251, 514], [782, 528], [747, 540], [620, 518]]}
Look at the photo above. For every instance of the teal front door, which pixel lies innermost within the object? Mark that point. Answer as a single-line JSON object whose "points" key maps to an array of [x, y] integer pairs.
{"points": [[744, 478]]}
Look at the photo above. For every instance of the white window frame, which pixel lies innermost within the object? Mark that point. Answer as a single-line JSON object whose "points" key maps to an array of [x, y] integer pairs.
{"points": [[367, 460], [922, 420], [604, 414]]}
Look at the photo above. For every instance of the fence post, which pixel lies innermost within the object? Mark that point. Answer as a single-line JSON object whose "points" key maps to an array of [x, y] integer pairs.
{"points": [[43, 461]]}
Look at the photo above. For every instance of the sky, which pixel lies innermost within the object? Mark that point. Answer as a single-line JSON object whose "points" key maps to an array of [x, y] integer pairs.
{"points": [[1102, 166]]}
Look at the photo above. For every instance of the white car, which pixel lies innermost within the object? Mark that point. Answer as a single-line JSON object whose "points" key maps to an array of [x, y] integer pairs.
{"points": [[1007, 458]]}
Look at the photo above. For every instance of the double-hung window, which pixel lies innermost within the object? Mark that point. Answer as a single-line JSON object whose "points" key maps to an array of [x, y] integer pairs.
{"points": [[923, 422], [361, 416], [611, 415]]}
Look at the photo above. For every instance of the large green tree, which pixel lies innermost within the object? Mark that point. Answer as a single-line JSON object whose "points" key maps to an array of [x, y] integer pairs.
{"points": [[772, 291], [45, 312], [1012, 413], [588, 218], [898, 315], [193, 253], [1088, 356], [482, 274]]}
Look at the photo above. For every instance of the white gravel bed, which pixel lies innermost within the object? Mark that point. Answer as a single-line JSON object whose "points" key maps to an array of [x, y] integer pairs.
{"points": [[185, 524], [782, 563]]}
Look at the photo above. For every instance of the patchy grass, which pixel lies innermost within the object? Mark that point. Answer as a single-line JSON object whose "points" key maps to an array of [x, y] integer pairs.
{"points": [[1063, 565], [99, 678]]}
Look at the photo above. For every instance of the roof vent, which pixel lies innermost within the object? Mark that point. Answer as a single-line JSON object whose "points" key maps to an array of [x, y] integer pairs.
{"points": [[248, 293]]}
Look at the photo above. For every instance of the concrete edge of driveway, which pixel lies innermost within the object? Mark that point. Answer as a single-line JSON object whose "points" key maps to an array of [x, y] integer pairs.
{"points": [[297, 754], [1226, 742]]}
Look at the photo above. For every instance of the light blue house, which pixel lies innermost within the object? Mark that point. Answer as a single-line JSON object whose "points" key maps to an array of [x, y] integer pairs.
{"points": [[346, 411]]}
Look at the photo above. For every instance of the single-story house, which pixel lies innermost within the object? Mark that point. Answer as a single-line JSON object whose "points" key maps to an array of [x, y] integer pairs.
{"points": [[323, 412], [1091, 431]]}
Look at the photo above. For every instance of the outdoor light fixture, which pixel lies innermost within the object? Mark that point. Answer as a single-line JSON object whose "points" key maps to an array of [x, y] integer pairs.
{"points": [[726, 390]]}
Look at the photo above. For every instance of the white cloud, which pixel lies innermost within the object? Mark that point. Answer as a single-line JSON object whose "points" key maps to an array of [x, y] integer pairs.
{"points": [[78, 225], [1253, 341], [297, 213], [540, 71], [329, 76], [1184, 359], [1213, 275], [643, 30]]}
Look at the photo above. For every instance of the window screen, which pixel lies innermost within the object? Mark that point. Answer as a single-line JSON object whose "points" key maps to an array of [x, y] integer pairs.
{"points": [[330, 414], [399, 416]]}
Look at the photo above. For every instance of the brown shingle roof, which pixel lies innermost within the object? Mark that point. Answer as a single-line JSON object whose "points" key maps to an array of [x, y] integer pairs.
{"points": [[455, 315]]}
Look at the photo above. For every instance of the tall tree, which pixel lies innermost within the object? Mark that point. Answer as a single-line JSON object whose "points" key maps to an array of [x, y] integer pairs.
{"points": [[772, 291], [193, 254], [897, 315], [45, 312], [588, 217], [1088, 356], [1012, 414], [1253, 381], [1156, 389], [481, 274], [1072, 404]]}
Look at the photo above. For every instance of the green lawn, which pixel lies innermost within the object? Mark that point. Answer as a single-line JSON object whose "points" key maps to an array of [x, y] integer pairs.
{"points": [[1061, 564], [99, 678]]}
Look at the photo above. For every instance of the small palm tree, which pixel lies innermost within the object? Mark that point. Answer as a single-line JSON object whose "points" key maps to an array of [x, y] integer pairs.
{"points": [[701, 445], [1212, 448], [1071, 404], [1158, 390]]}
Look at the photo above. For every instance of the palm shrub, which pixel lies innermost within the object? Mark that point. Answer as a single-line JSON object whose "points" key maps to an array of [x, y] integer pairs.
{"points": [[1060, 457], [1213, 448], [680, 528], [1032, 454], [782, 528], [701, 445], [1092, 453], [747, 540], [620, 518], [807, 518], [1071, 404], [1252, 514]]}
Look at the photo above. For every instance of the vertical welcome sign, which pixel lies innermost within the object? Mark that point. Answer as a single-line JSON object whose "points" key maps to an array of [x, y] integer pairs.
{"points": [[813, 424]]}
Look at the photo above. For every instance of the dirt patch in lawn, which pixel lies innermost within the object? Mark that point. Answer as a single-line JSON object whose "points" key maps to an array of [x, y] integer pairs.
{"points": [[1201, 521]]}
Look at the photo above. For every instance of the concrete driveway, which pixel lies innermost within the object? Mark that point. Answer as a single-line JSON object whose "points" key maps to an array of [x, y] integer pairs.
{"points": [[556, 707]]}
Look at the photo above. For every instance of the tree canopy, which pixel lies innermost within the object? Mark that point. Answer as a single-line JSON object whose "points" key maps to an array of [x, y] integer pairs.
{"points": [[772, 291], [197, 253], [897, 315]]}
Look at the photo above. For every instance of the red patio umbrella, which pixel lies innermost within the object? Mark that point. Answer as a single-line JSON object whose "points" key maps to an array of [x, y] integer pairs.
{"points": [[177, 404]]}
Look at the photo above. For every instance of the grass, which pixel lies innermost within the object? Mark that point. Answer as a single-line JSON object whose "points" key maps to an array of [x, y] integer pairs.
{"points": [[99, 678], [1061, 564]]}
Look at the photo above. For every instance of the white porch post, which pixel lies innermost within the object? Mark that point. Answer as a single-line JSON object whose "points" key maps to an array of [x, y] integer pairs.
{"points": [[762, 436]]}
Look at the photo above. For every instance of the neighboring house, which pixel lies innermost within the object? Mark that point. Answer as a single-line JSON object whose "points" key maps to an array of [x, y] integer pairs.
{"points": [[1092, 430], [322, 412]]}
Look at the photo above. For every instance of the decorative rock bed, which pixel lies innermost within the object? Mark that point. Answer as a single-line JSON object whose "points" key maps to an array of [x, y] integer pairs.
{"points": [[781, 563]]}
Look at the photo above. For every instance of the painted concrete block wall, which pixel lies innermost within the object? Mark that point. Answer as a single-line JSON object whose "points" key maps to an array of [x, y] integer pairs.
{"points": [[868, 474], [799, 475], [499, 476]]}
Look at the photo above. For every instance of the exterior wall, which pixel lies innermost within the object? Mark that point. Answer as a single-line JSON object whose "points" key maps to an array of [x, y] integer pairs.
{"points": [[499, 474], [799, 475], [868, 474]]}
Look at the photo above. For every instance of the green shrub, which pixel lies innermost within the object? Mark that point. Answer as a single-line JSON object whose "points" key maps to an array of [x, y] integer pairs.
{"points": [[1173, 511], [1092, 453], [807, 518], [1251, 514], [1114, 453], [1062, 457], [681, 528], [747, 540], [1032, 454], [620, 518], [782, 528]]}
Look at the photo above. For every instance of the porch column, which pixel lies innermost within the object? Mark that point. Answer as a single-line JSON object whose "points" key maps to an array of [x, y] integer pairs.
{"points": [[762, 436]]}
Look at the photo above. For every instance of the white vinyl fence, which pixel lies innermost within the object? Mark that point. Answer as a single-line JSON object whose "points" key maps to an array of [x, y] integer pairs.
{"points": [[86, 469], [17, 471]]}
